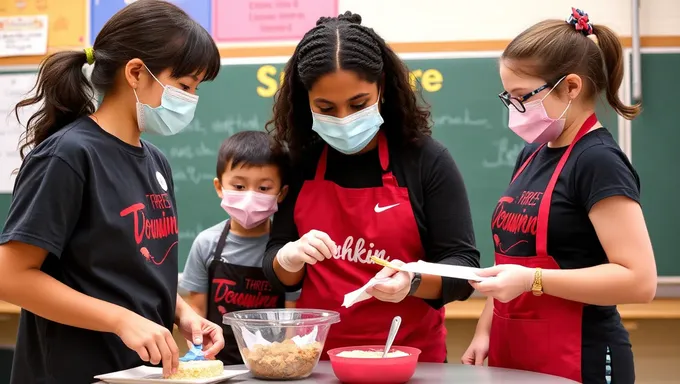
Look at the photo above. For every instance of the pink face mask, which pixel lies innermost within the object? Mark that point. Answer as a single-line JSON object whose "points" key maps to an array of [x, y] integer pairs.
{"points": [[534, 125], [249, 208]]}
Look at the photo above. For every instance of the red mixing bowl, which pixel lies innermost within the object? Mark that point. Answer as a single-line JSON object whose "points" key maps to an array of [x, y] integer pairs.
{"points": [[390, 370]]}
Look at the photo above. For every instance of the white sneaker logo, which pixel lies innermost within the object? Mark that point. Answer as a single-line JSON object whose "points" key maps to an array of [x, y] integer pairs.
{"points": [[379, 209]]}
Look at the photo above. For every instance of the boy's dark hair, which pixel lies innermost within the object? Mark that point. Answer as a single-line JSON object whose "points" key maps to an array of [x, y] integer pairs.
{"points": [[159, 33], [251, 148], [343, 43]]}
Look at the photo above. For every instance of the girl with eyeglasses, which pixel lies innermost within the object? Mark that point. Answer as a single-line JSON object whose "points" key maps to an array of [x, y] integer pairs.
{"points": [[89, 248], [569, 234]]}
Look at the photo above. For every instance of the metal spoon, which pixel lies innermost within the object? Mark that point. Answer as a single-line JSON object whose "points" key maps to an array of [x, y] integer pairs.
{"points": [[396, 322]]}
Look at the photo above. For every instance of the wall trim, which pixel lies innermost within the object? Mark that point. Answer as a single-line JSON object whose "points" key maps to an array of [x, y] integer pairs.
{"points": [[399, 47]]}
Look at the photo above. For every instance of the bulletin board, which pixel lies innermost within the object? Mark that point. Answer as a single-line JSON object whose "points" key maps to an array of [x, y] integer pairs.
{"points": [[67, 24], [67, 18]]}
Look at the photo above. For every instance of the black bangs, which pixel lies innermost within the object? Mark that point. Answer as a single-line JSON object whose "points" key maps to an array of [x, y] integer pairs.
{"points": [[196, 53]]}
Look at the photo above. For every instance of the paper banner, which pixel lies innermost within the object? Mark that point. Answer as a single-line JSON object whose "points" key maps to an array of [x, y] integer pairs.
{"points": [[13, 88], [23, 36], [267, 20]]}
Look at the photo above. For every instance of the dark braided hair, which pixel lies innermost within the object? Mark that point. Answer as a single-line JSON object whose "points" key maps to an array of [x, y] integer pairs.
{"points": [[362, 51]]}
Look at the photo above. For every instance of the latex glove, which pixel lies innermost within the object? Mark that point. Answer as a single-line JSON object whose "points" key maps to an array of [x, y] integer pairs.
{"points": [[396, 288], [506, 281], [478, 350], [152, 342], [312, 247], [201, 331]]}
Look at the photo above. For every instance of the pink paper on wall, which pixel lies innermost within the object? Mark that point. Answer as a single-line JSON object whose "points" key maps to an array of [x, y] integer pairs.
{"points": [[267, 20]]}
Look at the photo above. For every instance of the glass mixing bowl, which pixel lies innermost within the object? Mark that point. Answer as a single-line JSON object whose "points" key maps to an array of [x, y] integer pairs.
{"points": [[281, 344]]}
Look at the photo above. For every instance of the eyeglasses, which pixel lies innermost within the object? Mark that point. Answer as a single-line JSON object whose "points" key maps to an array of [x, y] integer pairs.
{"points": [[518, 102]]}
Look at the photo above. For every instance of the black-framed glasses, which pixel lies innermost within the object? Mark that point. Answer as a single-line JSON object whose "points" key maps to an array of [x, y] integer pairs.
{"points": [[518, 102]]}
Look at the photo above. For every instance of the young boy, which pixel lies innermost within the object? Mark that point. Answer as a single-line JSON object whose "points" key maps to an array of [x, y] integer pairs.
{"points": [[250, 185]]}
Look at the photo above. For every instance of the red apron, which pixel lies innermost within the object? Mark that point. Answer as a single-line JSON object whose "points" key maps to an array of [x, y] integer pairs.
{"points": [[539, 333], [365, 222]]}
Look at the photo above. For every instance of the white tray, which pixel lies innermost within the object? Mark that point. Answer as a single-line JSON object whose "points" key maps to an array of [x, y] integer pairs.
{"points": [[144, 374]]}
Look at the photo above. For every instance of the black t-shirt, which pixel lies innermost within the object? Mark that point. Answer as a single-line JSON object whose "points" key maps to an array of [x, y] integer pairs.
{"points": [[105, 212], [437, 195], [596, 169]]}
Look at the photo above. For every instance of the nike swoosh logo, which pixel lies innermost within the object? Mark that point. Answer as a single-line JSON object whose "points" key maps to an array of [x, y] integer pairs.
{"points": [[379, 209]]}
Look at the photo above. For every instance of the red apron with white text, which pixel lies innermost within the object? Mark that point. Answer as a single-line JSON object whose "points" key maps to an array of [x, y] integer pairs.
{"points": [[365, 222], [539, 333]]}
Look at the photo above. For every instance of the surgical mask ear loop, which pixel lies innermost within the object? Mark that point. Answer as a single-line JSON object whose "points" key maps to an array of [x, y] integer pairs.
{"points": [[154, 77], [553, 88]]}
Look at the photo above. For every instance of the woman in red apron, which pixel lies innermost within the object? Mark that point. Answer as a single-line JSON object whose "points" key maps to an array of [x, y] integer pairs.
{"points": [[371, 182], [570, 237]]}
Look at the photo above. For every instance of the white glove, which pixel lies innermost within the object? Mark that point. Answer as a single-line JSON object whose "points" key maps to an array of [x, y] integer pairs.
{"points": [[312, 247]]}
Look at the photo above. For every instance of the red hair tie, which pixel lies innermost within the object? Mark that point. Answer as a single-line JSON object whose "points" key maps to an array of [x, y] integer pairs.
{"points": [[580, 21]]}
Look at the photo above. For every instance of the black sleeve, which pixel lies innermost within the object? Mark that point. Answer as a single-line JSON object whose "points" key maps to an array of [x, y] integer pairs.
{"points": [[603, 171], [283, 231], [451, 238], [45, 204]]}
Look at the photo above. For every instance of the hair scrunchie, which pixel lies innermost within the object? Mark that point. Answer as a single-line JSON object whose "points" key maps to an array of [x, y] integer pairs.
{"points": [[89, 53], [580, 21]]}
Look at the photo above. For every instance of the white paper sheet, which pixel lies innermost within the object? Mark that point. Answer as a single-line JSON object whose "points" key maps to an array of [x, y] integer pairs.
{"points": [[251, 339], [444, 270], [153, 375], [360, 294], [13, 88], [23, 35]]}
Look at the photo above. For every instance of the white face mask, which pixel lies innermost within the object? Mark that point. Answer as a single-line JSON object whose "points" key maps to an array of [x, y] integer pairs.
{"points": [[349, 134], [175, 113]]}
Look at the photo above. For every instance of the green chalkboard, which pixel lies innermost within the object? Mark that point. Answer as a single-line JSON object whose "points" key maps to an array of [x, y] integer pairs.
{"points": [[655, 137], [5, 199]]}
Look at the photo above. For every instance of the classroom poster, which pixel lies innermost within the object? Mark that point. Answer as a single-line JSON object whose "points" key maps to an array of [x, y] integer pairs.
{"points": [[102, 10], [13, 88], [23, 35], [267, 20], [66, 18]]}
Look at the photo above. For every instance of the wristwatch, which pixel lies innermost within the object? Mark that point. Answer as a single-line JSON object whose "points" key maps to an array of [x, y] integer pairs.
{"points": [[415, 283], [537, 285]]}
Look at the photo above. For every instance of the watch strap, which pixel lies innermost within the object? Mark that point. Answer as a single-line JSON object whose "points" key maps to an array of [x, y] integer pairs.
{"points": [[415, 283]]}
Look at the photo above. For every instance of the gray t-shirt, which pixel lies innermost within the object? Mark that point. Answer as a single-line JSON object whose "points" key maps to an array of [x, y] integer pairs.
{"points": [[246, 251]]}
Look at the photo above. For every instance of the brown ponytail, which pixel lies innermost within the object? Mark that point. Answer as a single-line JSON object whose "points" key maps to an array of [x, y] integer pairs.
{"points": [[613, 59], [551, 49], [65, 94]]}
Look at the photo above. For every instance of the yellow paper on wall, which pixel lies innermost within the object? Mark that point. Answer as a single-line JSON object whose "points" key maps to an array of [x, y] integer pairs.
{"points": [[66, 18]]}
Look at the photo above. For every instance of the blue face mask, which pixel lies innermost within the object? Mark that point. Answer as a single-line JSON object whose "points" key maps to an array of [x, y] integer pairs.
{"points": [[349, 134], [172, 116]]}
